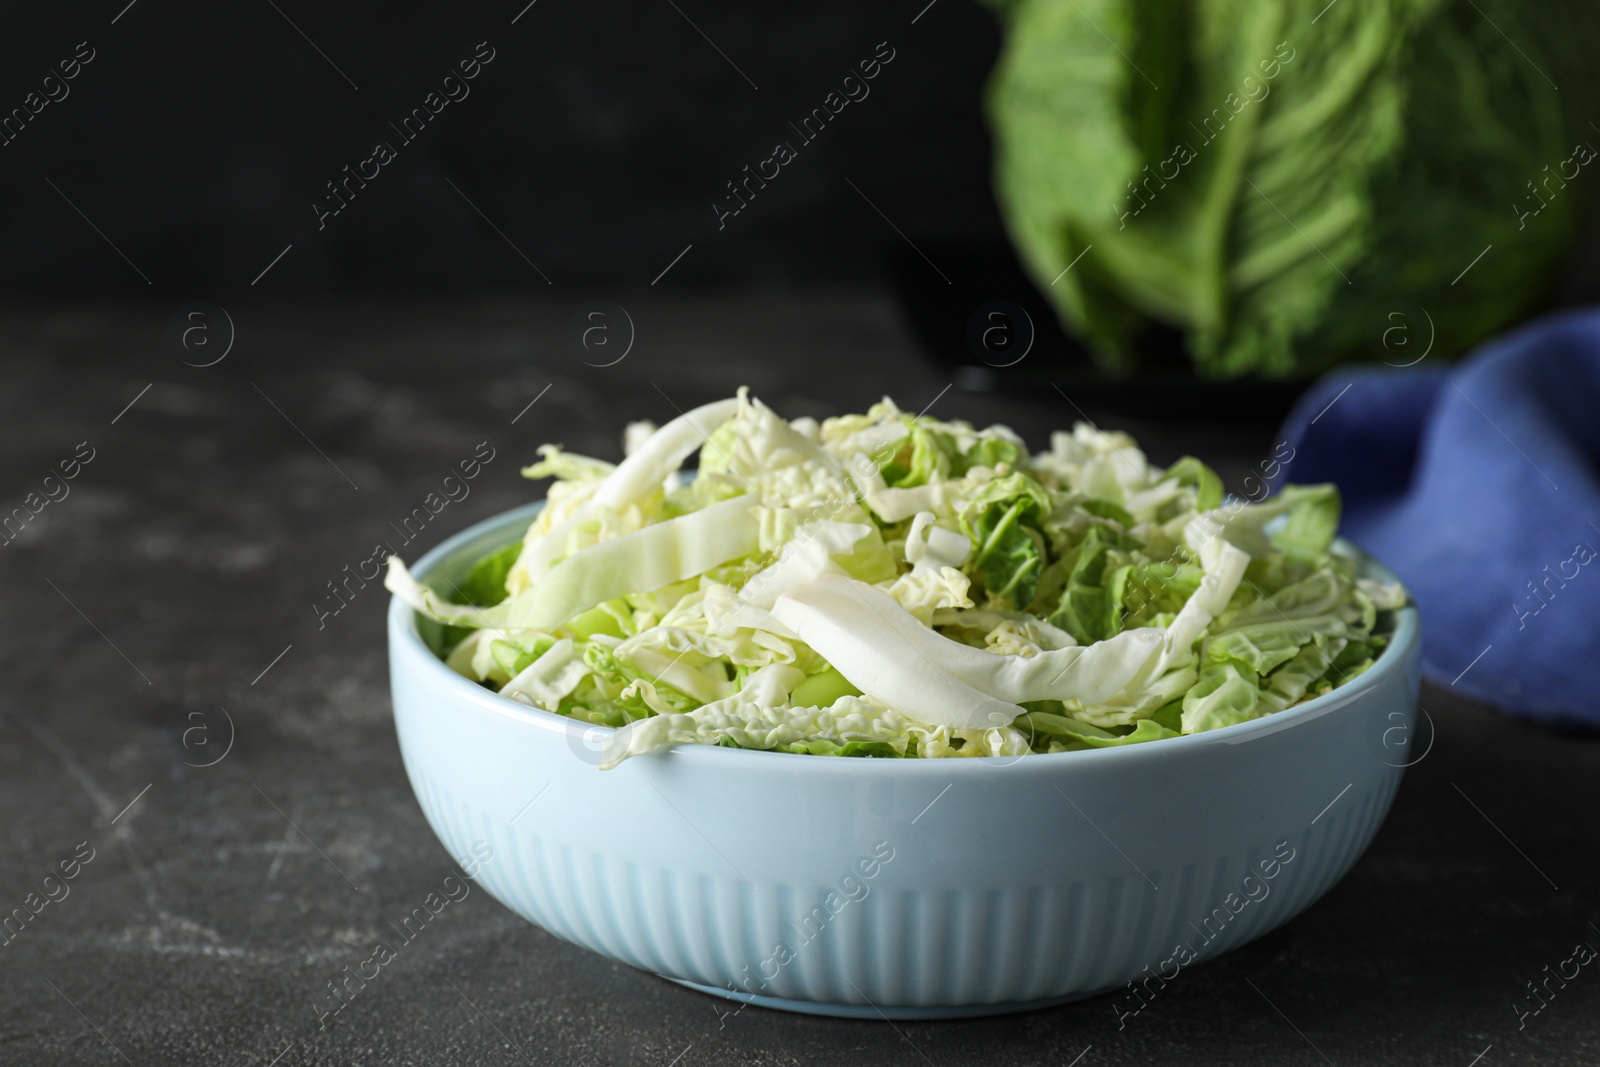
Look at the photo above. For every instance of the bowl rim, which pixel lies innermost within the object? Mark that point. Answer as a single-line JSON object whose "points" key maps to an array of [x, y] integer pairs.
{"points": [[405, 642]]}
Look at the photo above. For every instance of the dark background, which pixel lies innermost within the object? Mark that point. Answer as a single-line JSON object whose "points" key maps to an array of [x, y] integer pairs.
{"points": [[200, 135]]}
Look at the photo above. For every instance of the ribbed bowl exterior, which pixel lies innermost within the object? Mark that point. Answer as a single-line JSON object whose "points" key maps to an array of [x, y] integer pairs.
{"points": [[912, 887]]}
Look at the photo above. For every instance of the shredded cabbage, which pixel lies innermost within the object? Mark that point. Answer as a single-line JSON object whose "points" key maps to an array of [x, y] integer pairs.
{"points": [[886, 586]]}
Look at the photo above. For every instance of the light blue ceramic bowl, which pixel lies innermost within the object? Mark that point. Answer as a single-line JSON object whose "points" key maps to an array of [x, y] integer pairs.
{"points": [[906, 888]]}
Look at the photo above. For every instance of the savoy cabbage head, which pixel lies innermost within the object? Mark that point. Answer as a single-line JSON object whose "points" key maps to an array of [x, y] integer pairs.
{"points": [[1277, 177]]}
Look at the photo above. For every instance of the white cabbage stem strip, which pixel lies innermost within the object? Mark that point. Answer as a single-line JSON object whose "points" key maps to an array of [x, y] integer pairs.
{"points": [[637, 562], [635, 477], [854, 626]]}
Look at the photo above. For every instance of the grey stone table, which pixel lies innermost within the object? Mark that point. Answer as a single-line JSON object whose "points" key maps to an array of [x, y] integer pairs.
{"points": [[171, 601]]}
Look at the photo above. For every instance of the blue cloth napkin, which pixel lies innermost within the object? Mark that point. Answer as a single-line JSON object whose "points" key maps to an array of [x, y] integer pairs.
{"points": [[1477, 484]]}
